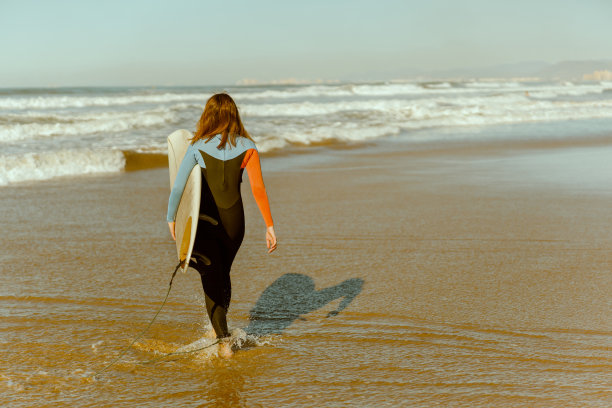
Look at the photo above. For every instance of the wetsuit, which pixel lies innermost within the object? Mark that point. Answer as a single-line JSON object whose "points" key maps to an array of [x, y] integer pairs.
{"points": [[221, 225]]}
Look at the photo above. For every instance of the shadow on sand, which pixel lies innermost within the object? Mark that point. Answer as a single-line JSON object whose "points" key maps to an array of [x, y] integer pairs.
{"points": [[292, 295]]}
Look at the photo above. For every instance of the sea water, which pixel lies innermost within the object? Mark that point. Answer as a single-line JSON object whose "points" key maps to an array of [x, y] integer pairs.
{"points": [[54, 132]]}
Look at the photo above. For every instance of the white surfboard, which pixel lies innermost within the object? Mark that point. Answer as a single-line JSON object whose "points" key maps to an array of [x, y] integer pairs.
{"points": [[189, 206]]}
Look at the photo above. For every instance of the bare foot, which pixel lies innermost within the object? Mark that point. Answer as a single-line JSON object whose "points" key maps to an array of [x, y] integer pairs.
{"points": [[225, 349]]}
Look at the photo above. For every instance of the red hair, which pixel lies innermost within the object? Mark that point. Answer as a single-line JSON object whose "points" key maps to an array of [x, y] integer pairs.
{"points": [[220, 116]]}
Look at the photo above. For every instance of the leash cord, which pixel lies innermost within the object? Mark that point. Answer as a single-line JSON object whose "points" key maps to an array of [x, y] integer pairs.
{"points": [[155, 360], [146, 328]]}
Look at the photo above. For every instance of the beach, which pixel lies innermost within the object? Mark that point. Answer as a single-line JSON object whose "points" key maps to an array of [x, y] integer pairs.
{"points": [[468, 274], [438, 176]]}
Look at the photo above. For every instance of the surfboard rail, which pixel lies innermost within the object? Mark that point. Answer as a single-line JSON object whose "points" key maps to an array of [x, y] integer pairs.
{"points": [[187, 214]]}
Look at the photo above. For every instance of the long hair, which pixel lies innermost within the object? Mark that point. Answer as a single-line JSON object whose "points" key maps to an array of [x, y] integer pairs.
{"points": [[220, 116]]}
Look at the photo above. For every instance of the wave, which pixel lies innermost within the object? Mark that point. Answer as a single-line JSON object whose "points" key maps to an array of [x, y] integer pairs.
{"points": [[514, 107], [39, 144], [362, 121], [295, 92], [556, 92], [300, 122], [19, 102], [345, 90], [419, 89], [65, 101], [438, 85], [323, 134], [389, 89], [37, 166], [494, 85], [47, 165], [34, 125], [319, 108], [352, 90], [52, 164]]}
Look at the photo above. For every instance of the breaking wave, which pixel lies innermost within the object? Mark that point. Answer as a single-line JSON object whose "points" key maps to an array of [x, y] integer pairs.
{"points": [[51, 164], [48, 133]]}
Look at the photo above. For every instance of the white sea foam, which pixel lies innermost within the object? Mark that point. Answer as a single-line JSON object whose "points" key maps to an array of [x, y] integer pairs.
{"points": [[361, 120], [388, 89], [349, 90], [52, 135], [492, 85], [555, 92], [510, 107], [442, 85], [321, 108], [49, 125], [70, 101], [45, 102], [206, 348], [51, 164], [296, 92], [334, 132]]}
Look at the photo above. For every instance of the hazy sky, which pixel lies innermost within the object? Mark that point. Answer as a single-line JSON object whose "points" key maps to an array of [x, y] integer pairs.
{"points": [[198, 42]]}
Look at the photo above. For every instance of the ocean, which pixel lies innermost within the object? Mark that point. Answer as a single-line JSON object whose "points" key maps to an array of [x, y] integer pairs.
{"points": [[56, 132]]}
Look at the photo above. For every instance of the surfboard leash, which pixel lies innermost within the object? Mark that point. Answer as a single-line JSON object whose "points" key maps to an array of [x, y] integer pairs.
{"points": [[155, 360], [146, 328]]}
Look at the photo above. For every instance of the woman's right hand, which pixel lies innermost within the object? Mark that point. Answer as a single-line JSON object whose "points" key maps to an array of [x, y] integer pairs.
{"points": [[171, 226], [270, 239]]}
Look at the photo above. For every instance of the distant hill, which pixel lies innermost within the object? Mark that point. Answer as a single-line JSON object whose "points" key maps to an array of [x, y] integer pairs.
{"points": [[573, 70]]}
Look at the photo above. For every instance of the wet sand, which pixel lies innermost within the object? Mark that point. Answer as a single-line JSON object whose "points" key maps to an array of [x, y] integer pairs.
{"points": [[471, 275]]}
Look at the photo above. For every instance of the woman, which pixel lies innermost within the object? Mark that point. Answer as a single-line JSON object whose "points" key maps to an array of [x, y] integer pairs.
{"points": [[223, 149]]}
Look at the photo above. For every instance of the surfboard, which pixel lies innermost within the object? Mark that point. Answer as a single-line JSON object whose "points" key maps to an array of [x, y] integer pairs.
{"points": [[189, 206]]}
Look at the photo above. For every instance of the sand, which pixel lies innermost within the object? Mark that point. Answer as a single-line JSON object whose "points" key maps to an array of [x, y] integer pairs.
{"points": [[459, 275]]}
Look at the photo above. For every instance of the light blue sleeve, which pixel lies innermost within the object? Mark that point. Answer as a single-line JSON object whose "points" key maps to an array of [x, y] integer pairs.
{"points": [[189, 161]]}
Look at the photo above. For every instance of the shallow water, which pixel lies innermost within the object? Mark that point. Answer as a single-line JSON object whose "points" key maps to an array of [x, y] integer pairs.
{"points": [[399, 281]]}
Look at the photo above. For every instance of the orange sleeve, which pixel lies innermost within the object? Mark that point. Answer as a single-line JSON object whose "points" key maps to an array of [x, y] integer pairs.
{"points": [[251, 162]]}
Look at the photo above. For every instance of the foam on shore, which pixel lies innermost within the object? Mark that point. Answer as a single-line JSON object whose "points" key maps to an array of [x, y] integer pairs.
{"points": [[48, 165], [49, 133]]}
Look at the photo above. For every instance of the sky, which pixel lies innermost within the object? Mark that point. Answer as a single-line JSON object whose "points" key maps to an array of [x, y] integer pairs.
{"points": [[201, 42]]}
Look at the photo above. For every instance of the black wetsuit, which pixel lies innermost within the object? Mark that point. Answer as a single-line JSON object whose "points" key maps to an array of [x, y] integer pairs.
{"points": [[221, 226]]}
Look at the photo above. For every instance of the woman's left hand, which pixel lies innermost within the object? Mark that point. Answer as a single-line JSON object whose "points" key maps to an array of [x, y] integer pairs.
{"points": [[270, 239], [171, 225]]}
